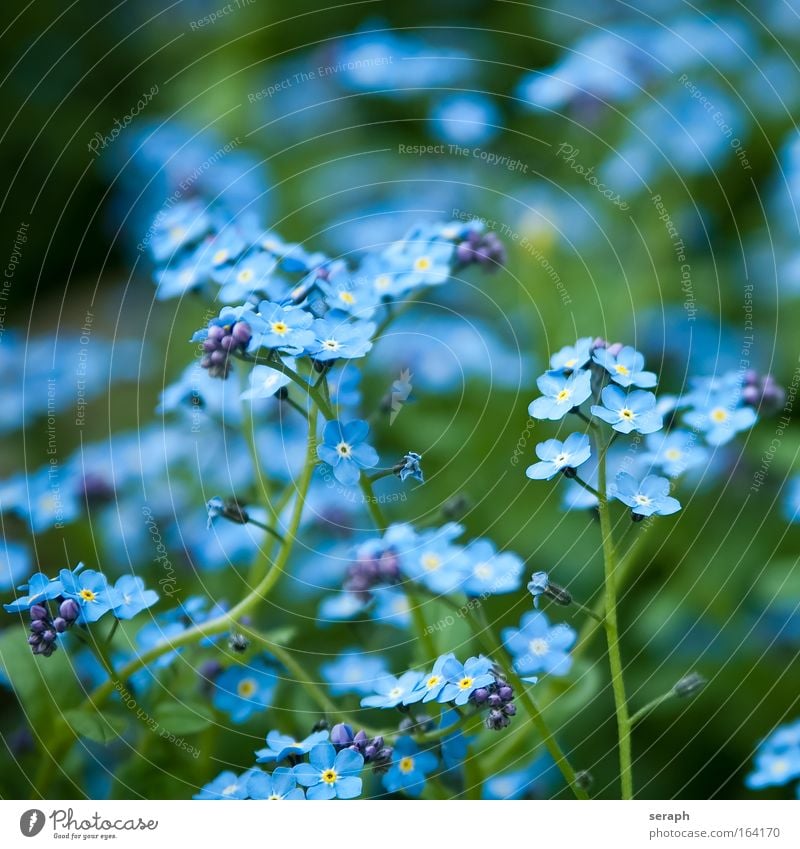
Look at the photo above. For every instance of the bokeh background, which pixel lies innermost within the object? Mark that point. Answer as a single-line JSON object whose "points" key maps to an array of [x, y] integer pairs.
{"points": [[688, 249]]}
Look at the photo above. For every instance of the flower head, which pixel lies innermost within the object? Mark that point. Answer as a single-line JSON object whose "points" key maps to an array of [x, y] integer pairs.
{"points": [[538, 586], [464, 679], [280, 746], [675, 452], [626, 412], [561, 393], [353, 672], [489, 571], [243, 691], [285, 329], [720, 417], [431, 684], [625, 366], [344, 449], [572, 357], [557, 456], [538, 647], [329, 775], [282, 784], [390, 691], [91, 591], [410, 768], [39, 588], [132, 598], [264, 383], [227, 785], [340, 339], [410, 466], [649, 497]]}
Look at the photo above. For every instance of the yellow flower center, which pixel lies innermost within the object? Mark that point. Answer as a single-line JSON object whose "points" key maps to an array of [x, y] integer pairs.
{"points": [[465, 683], [229, 790], [329, 776], [422, 263], [274, 796], [406, 765], [177, 232], [347, 298], [570, 363], [431, 562], [87, 595], [383, 281], [220, 256], [186, 277], [627, 414], [539, 647], [433, 681], [245, 275], [719, 415], [344, 449], [563, 395], [642, 500], [673, 454], [331, 344], [482, 570], [779, 767], [623, 370], [280, 327], [395, 692], [246, 688]]}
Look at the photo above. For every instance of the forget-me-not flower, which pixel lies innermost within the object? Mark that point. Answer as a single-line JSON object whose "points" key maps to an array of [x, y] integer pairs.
{"points": [[410, 768], [464, 679], [329, 775], [538, 647], [280, 746], [555, 456], [345, 450], [390, 691], [630, 411], [560, 394], [649, 497], [282, 784], [625, 367]]}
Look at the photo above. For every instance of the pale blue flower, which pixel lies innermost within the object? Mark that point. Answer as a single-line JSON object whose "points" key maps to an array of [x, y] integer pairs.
{"points": [[561, 393], [556, 456]]}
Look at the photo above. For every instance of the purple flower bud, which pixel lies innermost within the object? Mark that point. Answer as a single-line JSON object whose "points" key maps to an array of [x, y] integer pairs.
{"points": [[69, 610], [480, 696], [38, 611], [615, 348], [361, 739], [495, 701], [241, 333], [38, 626], [34, 639], [505, 692], [60, 624], [48, 636], [341, 735], [510, 709]]}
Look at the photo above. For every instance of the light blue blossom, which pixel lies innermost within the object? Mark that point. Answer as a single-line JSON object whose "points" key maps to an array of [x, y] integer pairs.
{"points": [[720, 418], [242, 691], [625, 367], [675, 452], [489, 572], [132, 597], [15, 563], [556, 456], [778, 759], [418, 261], [177, 227], [572, 357], [285, 329], [430, 685], [538, 586], [390, 691], [518, 783], [433, 560], [280, 746], [227, 785], [464, 679], [650, 497], [390, 606], [353, 672], [561, 393], [627, 412], [264, 383], [344, 449], [329, 775], [791, 501], [410, 768], [39, 588], [538, 647], [91, 591], [282, 784], [340, 339], [411, 467]]}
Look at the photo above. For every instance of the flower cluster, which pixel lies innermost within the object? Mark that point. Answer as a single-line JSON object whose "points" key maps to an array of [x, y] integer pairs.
{"points": [[80, 597]]}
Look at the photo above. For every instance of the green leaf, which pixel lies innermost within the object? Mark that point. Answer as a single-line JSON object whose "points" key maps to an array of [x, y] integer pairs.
{"points": [[105, 727], [180, 718]]}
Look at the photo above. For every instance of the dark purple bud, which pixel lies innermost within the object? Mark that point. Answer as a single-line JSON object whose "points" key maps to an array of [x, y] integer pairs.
{"points": [[69, 610], [60, 624], [38, 611], [48, 636], [510, 709], [241, 333], [505, 692], [38, 626], [495, 701], [34, 639], [361, 739], [341, 734], [480, 696], [215, 333]]}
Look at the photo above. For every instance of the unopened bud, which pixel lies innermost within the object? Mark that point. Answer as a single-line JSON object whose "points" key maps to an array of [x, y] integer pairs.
{"points": [[689, 685]]}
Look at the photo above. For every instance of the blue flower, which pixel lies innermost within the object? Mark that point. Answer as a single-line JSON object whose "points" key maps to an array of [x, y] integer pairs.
{"points": [[720, 419], [390, 691], [185, 275], [329, 775], [91, 591], [415, 262], [183, 224], [489, 572], [133, 598], [227, 785], [39, 588], [536, 647], [286, 329], [282, 784], [264, 383], [625, 367], [675, 452], [242, 691], [391, 607], [431, 685], [353, 672], [455, 745], [410, 768], [650, 497], [791, 501], [519, 783], [253, 273], [561, 393], [411, 467], [464, 679], [538, 586], [556, 456], [15, 561], [778, 758], [572, 357], [627, 412], [345, 450], [432, 559], [349, 295], [340, 339], [280, 746]]}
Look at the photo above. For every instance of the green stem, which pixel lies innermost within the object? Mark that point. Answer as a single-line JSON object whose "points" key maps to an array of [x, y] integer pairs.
{"points": [[267, 528], [651, 706], [612, 633]]}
